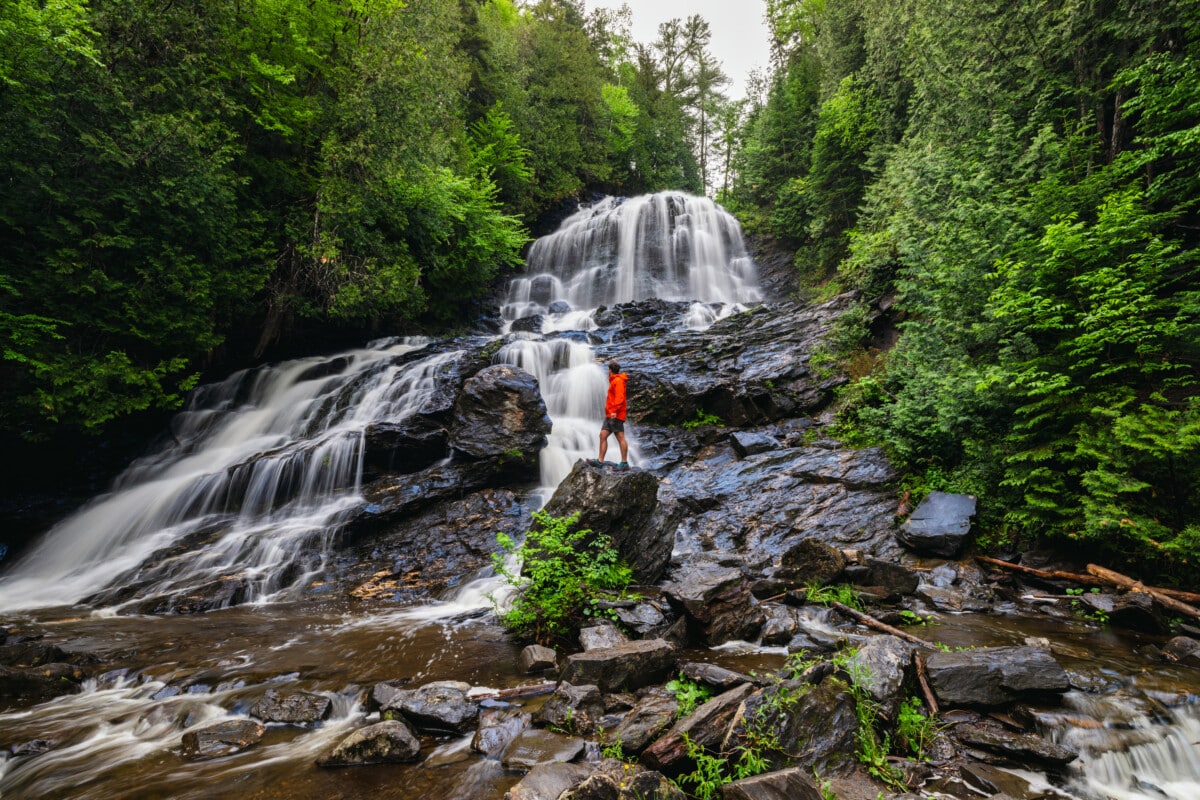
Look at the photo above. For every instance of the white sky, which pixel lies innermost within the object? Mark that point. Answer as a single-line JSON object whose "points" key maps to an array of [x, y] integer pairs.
{"points": [[739, 32]]}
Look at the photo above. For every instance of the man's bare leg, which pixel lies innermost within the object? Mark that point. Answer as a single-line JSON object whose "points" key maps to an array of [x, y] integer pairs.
{"points": [[624, 448], [604, 443]]}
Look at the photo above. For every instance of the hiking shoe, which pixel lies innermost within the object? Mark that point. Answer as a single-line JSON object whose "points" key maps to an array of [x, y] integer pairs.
{"points": [[595, 462], [623, 465]]}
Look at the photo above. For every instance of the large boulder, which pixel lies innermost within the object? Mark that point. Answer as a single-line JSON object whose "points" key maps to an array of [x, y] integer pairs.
{"points": [[625, 667], [387, 742], [1019, 748], [883, 666], [498, 727], [653, 714], [536, 658], [574, 709], [815, 725], [297, 708], [717, 599], [535, 747], [940, 524], [548, 781], [221, 739], [622, 505], [994, 676], [438, 707], [500, 414], [1184, 650], [404, 447], [811, 562], [41, 682]]}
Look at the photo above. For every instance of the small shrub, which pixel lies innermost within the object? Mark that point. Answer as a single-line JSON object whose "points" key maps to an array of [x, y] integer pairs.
{"points": [[702, 419], [689, 694], [562, 577], [914, 729], [824, 595]]}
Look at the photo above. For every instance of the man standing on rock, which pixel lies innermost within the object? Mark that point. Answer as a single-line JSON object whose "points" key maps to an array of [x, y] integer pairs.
{"points": [[614, 415]]}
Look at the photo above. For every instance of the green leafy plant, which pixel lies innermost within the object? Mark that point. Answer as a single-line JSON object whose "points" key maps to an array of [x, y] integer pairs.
{"points": [[913, 618], [564, 575], [824, 595], [824, 786], [914, 729], [873, 747], [702, 419], [709, 774], [689, 694]]}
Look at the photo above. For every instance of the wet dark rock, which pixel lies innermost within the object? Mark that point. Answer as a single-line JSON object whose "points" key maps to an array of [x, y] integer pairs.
{"points": [[787, 784], [572, 709], [990, 780], [622, 505], [749, 443], [713, 676], [781, 625], [40, 682], [1020, 748], [815, 725], [624, 667], [717, 600], [401, 557], [387, 742], [32, 654], [766, 503], [536, 746], [34, 747], [548, 781], [297, 708], [536, 658], [382, 694], [439, 707], [498, 727], [559, 307], [895, 579], [1135, 611], [1184, 650], [706, 727], [404, 447], [601, 636], [811, 562], [617, 780], [642, 618], [940, 524], [530, 324], [500, 414], [885, 667], [994, 676], [652, 715], [221, 739], [955, 599]]}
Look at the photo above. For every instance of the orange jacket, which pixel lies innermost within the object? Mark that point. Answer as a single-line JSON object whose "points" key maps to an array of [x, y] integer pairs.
{"points": [[614, 403]]}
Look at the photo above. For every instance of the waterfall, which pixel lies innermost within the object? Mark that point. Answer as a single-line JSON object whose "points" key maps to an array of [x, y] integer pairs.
{"points": [[261, 469], [668, 245]]}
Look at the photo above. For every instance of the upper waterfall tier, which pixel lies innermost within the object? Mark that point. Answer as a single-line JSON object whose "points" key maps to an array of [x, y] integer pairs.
{"points": [[668, 245]]}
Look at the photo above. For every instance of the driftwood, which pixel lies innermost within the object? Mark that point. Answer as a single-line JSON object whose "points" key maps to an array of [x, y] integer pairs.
{"points": [[1094, 579], [1137, 586], [871, 622], [529, 690], [923, 679]]}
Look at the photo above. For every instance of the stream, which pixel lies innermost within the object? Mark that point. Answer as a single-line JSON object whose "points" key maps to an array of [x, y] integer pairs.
{"points": [[243, 509]]}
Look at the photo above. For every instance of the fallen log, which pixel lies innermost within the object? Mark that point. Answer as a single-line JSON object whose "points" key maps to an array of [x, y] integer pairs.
{"points": [[1087, 580], [529, 690], [871, 622], [1137, 586], [923, 679]]}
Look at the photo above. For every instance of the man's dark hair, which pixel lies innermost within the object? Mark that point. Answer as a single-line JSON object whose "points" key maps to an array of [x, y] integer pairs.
{"points": [[614, 367]]}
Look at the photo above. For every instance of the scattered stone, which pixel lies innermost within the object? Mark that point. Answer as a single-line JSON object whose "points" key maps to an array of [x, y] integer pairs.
{"points": [[707, 727], [382, 694], [536, 658], [34, 747], [990, 780], [993, 676], [617, 780], [1184, 650], [652, 715], [787, 784], [297, 708], [601, 636], [439, 707], [940, 524], [574, 709], [811, 562], [718, 600], [781, 625], [749, 443], [624, 667], [497, 729], [222, 739], [530, 324], [1020, 748], [1134, 611], [559, 307], [642, 619], [895, 579], [548, 781], [387, 742], [713, 676], [535, 746], [884, 665]]}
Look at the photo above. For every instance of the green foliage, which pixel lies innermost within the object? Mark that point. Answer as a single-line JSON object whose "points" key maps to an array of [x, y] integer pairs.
{"points": [[563, 576], [914, 730], [708, 776], [873, 746], [702, 419], [842, 593], [689, 694]]}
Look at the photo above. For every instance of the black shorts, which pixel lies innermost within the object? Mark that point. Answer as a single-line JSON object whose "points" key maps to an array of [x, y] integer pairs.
{"points": [[613, 425]]}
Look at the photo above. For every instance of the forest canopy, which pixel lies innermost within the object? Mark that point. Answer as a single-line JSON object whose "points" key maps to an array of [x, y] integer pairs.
{"points": [[187, 184]]}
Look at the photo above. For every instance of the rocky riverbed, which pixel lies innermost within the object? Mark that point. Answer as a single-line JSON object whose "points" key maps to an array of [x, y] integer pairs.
{"points": [[386, 654]]}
